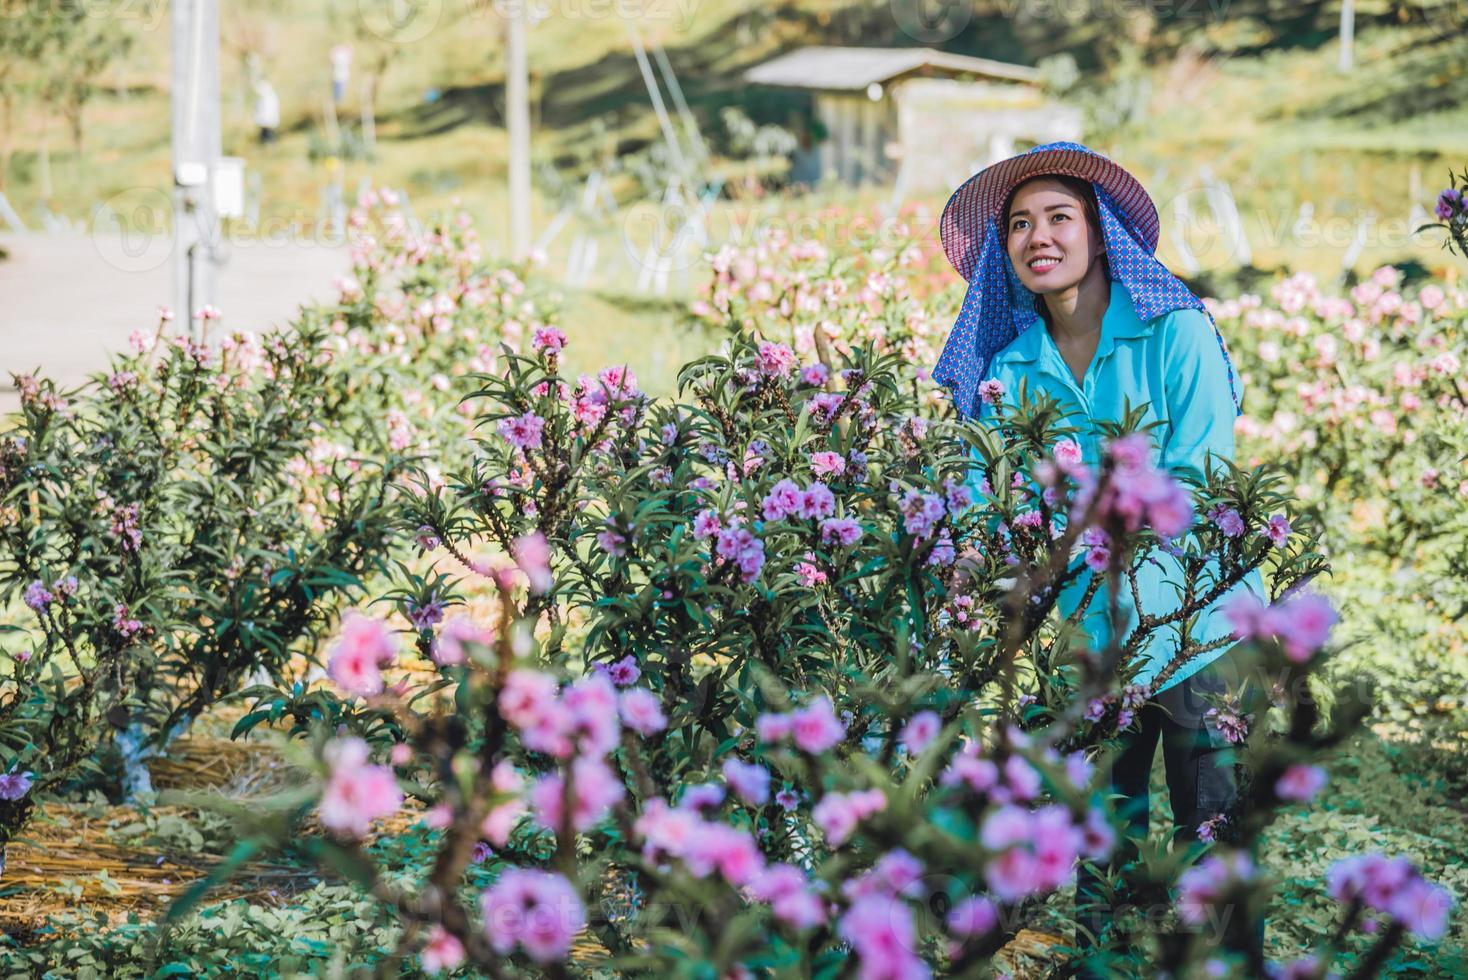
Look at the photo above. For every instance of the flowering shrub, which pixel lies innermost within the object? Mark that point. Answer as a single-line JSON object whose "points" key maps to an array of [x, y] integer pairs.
{"points": [[1362, 400], [760, 658], [171, 530]]}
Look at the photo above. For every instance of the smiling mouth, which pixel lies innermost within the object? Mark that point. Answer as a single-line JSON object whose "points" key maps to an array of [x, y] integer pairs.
{"points": [[1043, 263]]}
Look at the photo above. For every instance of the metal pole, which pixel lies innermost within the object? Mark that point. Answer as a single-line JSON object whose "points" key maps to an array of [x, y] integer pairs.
{"points": [[1348, 34], [196, 151], [517, 122]]}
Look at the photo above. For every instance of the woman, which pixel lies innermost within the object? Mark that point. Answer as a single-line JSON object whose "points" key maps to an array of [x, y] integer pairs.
{"points": [[1065, 294]]}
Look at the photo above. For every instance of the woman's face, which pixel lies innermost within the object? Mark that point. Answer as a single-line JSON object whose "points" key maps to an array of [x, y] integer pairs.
{"points": [[1050, 242]]}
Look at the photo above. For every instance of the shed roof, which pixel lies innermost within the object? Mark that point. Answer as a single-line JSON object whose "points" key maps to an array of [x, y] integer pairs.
{"points": [[853, 69]]}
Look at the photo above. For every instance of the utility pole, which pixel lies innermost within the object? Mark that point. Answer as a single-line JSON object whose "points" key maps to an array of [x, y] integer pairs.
{"points": [[517, 122], [1348, 34], [196, 151]]}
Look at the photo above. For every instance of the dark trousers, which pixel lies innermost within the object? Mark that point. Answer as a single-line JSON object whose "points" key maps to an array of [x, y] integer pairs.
{"points": [[1200, 784]]}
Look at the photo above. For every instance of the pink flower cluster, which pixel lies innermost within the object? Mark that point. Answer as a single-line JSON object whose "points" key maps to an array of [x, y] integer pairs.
{"points": [[452, 644], [524, 432], [362, 648], [704, 846], [595, 789], [881, 931], [838, 814], [786, 499], [775, 360], [537, 911], [921, 511], [1139, 494], [357, 791], [1036, 850], [1210, 881], [740, 546], [1393, 887], [1300, 624], [814, 728]]}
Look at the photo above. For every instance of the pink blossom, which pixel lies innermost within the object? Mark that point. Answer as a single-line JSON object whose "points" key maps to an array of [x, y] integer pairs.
{"points": [[1301, 623], [788, 892], [595, 789], [1392, 886], [591, 706], [524, 432], [732, 852], [706, 525], [443, 951], [536, 910], [458, 633], [825, 464], [625, 672], [362, 648], [809, 574], [837, 814], [526, 697], [772, 728], [1300, 783], [640, 711], [816, 502], [1209, 882], [532, 553], [815, 374], [991, 392], [842, 531], [548, 339], [1227, 520], [1277, 530], [920, 512], [816, 728], [920, 731], [612, 541], [775, 360], [1068, 455], [881, 932], [974, 916], [783, 499], [356, 792], [749, 781]]}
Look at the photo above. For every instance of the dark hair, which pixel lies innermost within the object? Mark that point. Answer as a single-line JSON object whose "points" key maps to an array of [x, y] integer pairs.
{"points": [[1082, 189]]}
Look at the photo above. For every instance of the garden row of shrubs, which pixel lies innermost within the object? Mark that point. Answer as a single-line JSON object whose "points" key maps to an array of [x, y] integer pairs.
{"points": [[761, 679]]}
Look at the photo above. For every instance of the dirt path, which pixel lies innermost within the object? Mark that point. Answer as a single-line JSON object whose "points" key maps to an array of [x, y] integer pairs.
{"points": [[65, 302]]}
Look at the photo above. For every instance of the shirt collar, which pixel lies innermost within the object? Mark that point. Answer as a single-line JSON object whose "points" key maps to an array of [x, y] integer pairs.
{"points": [[1120, 322]]}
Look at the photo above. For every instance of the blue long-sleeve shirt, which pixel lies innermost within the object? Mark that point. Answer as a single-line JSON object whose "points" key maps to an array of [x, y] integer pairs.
{"points": [[1173, 364]]}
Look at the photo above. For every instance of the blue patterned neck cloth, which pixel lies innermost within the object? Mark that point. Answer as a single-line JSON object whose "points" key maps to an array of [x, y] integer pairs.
{"points": [[998, 306]]}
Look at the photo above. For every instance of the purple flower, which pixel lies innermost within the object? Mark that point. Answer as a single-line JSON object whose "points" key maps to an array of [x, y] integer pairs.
{"points": [[425, 615], [783, 499], [1228, 520], [1449, 202], [625, 672], [840, 530], [749, 781], [15, 785], [525, 432], [788, 799], [37, 596], [1277, 531]]}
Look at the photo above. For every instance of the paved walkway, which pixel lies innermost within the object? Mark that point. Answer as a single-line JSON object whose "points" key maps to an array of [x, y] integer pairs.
{"points": [[66, 302]]}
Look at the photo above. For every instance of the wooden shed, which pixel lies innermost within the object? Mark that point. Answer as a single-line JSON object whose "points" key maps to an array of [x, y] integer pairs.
{"points": [[918, 117]]}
